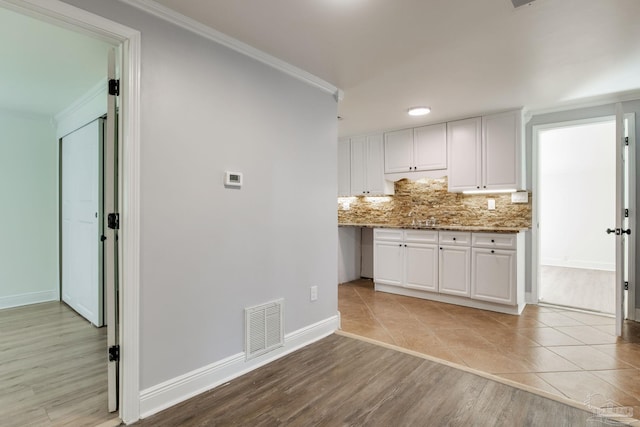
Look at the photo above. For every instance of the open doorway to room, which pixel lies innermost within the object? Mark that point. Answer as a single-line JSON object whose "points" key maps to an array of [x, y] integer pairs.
{"points": [[577, 199], [54, 362]]}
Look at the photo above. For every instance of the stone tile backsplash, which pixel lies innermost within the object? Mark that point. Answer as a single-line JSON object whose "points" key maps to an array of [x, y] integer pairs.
{"points": [[428, 198]]}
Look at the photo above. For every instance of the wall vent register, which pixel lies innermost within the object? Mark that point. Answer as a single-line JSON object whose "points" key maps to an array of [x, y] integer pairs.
{"points": [[264, 328]]}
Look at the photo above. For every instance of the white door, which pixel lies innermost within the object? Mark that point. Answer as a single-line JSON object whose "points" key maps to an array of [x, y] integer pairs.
{"points": [[81, 226], [111, 249], [622, 231]]}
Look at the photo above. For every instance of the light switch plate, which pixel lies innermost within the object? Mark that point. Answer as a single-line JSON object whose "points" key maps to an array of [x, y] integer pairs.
{"points": [[520, 197], [491, 204]]}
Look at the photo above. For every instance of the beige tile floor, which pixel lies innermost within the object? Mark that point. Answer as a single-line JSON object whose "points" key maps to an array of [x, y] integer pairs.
{"points": [[567, 353]]}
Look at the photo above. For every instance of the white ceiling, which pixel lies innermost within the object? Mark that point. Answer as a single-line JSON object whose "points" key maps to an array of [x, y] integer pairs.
{"points": [[460, 57], [45, 68]]}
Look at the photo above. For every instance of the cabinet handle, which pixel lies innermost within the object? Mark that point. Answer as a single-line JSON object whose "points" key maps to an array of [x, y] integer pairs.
{"points": [[492, 251], [484, 186], [440, 248], [478, 187], [405, 246], [454, 239], [493, 241]]}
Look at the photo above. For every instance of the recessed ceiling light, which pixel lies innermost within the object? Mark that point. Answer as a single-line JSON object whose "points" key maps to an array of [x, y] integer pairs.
{"points": [[418, 111]]}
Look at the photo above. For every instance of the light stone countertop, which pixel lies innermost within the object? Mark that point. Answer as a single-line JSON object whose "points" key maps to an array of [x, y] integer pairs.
{"points": [[440, 227]]}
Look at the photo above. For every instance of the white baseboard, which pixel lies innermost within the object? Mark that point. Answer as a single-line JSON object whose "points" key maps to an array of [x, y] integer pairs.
{"points": [[171, 392], [580, 264], [28, 298]]}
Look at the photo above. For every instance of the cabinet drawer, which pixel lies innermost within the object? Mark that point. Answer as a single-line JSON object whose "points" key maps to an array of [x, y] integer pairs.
{"points": [[421, 236], [387, 234], [494, 240], [461, 238]]}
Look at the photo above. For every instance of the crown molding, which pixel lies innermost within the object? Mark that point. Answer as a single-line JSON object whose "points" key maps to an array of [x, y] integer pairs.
{"points": [[207, 32]]}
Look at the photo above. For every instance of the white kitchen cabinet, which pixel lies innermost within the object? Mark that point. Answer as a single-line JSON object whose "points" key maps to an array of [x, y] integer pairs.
{"points": [[481, 270], [398, 151], [388, 262], [501, 151], [493, 275], [455, 263], [419, 149], [406, 258], [430, 147], [464, 144], [455, 270], [485, 153], [367, 167], [344, 168]]}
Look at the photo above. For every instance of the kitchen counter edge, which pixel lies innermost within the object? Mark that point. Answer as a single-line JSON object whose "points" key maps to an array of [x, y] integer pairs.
{"points": [[441, 227]]}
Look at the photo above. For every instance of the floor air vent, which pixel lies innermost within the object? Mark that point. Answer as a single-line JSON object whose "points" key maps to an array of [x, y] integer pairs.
{"points": [[264, 328]]}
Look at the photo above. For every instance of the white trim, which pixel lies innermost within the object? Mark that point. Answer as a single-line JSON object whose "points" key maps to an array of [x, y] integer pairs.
{"points": [[29, 298], [595, 101], [164, 395], [452, 299], [205, 31], [581, 264], [87, 108], [68, 16], [528, 298]]}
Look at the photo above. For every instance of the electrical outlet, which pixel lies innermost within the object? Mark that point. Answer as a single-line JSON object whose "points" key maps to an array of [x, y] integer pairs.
{"points": [[313, 293]]}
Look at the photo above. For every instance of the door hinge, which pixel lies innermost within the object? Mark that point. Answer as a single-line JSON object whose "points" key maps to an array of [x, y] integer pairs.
{"points": [[626, 286], [114, 87], [626, 140], [626, 213], [113, 221], [114, 353]]}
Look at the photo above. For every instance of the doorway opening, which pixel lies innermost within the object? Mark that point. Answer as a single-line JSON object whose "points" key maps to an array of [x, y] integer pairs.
{"points": [[576, 204], [127, 43]]}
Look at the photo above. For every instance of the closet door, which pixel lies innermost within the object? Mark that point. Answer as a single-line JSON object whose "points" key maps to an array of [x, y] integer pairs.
{"points": [[81, 205]]}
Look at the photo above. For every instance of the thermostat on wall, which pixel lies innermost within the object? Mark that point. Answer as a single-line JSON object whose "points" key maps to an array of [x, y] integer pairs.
{"points": [[233, 179]]}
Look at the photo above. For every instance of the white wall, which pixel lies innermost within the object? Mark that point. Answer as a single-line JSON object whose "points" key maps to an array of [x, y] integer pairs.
{"points": [[29, 214], [577, 196], [209, 252]]}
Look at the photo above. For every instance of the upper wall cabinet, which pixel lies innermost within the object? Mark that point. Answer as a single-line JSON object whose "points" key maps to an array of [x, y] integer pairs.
{"points": [[419, 149], [485, 152], [367, 167], [344, 168]]}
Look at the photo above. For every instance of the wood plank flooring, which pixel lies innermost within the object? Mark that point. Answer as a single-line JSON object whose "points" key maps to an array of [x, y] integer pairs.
{"points": [[53, 369], [344, 381]]}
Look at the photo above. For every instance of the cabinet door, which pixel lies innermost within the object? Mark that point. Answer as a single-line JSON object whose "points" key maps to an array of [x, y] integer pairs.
{"points": [[501, 163], [358, 166], [430, 147], [454, 274], [493, 275], [464, 146], [375, 165], [421, 266], [388, 263], [398, 151], [344, 168]]}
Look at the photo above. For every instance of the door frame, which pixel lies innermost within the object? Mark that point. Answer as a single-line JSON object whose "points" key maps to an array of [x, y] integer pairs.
{"points": [[127, 41], [535, 185]]}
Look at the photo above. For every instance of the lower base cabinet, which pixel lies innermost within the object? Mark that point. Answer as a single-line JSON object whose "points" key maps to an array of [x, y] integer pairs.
{"points": [[482, 270]]}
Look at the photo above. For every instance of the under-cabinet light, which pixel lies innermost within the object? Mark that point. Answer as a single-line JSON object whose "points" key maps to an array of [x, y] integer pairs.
{"points": [[509, 190]]}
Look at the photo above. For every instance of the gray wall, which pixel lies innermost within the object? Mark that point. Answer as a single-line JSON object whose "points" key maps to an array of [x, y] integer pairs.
{"points": [[29, 214], [207, 251], [579, 114]]}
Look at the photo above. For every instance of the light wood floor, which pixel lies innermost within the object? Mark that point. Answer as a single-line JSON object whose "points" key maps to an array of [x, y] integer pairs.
{"points": [[53, 368], [341, 381]]}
